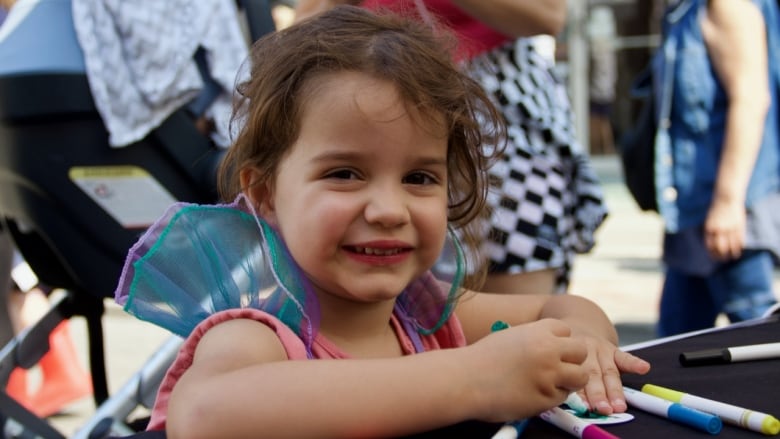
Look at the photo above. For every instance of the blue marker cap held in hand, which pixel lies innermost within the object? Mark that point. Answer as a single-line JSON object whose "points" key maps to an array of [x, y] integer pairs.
{"points": [[695, 418]]}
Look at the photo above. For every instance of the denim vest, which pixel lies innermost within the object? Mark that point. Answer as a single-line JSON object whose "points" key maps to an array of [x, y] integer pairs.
{"points": [[691, 113]]}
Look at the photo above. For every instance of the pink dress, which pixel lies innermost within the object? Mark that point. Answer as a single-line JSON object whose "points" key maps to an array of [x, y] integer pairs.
{"points": [[450, 335]]}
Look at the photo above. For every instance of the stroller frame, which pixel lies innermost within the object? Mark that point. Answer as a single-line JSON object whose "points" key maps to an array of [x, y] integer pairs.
{"points": [[48, 126]]}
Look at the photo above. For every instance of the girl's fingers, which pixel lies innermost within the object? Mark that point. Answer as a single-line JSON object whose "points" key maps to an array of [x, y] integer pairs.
{"points": [[573, 377], [605, 388], [602, 382], [573, 352], [629, 363]]}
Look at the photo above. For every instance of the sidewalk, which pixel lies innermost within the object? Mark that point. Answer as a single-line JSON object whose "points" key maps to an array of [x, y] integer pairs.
{"points": [[622, 274]]}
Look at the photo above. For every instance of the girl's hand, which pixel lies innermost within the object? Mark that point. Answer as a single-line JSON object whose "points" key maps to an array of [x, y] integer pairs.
{"points": [[604, 390], [526, 369]]}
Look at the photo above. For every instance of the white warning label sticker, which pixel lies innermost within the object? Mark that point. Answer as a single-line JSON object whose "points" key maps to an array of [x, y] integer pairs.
{"points": [[128, 193]]}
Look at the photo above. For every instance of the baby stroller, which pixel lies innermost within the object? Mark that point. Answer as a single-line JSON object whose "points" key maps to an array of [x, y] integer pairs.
{"points": [[73, 207]]}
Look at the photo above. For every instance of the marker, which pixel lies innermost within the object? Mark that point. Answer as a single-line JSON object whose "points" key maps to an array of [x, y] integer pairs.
{"points": [[574, 425], [741, 417], [674, 411], [511, 430], [730, 355], [577, 404]]}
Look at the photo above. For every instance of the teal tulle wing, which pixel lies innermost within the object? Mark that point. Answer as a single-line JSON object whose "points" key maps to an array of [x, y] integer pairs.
{"points": [[425, 305], [200, 259], [197, 260]]}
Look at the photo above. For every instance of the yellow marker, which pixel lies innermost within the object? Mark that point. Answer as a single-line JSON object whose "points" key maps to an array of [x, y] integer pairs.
{"points": [[731, 414]]}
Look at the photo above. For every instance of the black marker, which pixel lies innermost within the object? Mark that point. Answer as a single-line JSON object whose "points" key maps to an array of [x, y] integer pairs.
{"points": [[730, 355]]}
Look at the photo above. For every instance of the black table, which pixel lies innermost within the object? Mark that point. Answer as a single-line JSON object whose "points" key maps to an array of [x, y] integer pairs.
{"points": [[754, 384]]}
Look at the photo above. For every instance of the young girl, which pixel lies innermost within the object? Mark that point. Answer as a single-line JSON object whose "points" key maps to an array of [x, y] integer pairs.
{"points": [[361, 142], [545, 199]]}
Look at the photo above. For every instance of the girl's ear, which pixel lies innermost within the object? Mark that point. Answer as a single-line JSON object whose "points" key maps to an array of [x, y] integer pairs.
{"points": [[259, 193]]}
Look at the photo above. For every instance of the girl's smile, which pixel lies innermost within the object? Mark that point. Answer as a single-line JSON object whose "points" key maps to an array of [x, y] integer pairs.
{"points": [[379, 252]]}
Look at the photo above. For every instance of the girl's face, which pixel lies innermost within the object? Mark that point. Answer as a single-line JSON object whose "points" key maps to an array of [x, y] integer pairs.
{"points": [[361, 197]]}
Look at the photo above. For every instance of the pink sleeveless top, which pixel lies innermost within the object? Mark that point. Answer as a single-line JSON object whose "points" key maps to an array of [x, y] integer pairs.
{"points": [[449, 336], [474, 37]]}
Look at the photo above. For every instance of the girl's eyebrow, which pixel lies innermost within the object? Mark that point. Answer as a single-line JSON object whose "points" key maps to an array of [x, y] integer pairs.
{"points": [[331, 156], [433, 161]]}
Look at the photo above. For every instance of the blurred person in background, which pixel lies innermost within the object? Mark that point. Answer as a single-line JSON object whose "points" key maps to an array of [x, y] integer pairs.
{"points": [[603, 78], [717, 161]]}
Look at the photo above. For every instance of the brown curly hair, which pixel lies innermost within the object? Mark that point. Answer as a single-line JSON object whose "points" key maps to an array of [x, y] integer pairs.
{"points": [[387, 46]]}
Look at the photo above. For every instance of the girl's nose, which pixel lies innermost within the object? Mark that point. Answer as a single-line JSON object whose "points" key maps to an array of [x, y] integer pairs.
{"points": [[387, 207]]}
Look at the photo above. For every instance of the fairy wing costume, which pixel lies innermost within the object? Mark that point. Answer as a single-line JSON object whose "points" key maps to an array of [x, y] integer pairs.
{"points": [[197, 260]]}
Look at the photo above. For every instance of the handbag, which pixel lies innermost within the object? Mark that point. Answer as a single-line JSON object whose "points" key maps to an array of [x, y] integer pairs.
{"points": [[637, 145]]}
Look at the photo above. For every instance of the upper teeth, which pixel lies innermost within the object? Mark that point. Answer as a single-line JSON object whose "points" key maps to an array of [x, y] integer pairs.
{"points": [[377, 251]]}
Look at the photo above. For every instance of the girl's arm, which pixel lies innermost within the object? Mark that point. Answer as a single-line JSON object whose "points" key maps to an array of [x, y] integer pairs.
{"points": [[477, 312], [518, 18], [589, 325], [242, 385], [735, 35]]}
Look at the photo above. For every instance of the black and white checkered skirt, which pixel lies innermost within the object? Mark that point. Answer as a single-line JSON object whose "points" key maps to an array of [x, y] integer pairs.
{"points": [[545, 197]]}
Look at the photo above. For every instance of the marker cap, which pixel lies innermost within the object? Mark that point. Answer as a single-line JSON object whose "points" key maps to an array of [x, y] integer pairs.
{"points": [[593, 432], [705, 357], [770, 426], [695, 418], [663, 392]]}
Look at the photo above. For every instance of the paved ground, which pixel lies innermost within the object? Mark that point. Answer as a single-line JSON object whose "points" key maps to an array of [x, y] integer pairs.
{"points": [[622, 274]]}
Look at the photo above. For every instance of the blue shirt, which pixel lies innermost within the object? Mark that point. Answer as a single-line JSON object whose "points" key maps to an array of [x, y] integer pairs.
{"points": [[38, 36]]}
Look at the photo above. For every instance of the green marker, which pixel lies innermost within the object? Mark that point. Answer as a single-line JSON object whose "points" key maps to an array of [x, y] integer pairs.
{"points": [[574, 402]]}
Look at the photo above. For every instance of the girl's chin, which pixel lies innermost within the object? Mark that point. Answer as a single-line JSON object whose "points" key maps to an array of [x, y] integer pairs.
{"points": [[373, 293], [377, 295], [368, 287]]}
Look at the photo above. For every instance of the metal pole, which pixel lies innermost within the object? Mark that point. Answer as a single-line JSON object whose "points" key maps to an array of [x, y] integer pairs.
{"points": [[578, 68]]}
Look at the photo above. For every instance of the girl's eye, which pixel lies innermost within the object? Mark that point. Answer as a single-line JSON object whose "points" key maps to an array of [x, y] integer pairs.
{"points": [[419, 178], [342, 174]]}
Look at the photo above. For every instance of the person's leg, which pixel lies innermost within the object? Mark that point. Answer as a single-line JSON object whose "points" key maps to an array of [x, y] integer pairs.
{"points": [[743, 288], [686, 304], [16, 387], [601, 138], [27, 308], [63, 378]]}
